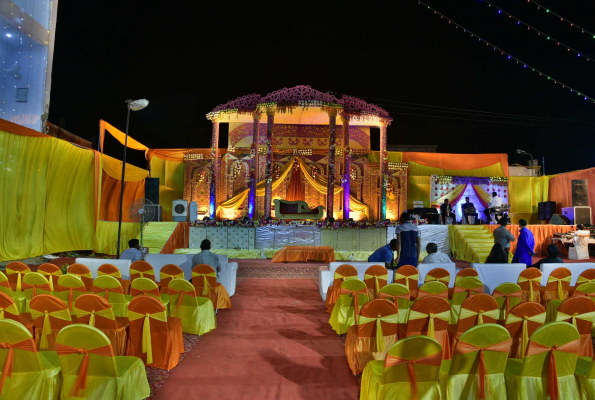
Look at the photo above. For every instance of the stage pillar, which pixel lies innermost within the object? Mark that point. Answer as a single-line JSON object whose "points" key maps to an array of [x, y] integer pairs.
{"points": [[383, 170], [268, 194], [214, 168], [254, 166], [347, 166], [332, 116]]}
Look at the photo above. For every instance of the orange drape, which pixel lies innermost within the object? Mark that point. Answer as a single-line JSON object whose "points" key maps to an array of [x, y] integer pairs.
{"points": [[560, 188], [457, 161], [110, 197], [542, 234], [295, 189], [11, 127]]}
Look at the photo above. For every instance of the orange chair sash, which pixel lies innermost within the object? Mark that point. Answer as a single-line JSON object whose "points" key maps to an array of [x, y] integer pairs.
{"points": [[394, 298], [118, 289], [182, 293], [43, 286], [518, 294], [459, 289], [60, 288], [136, 292], [464, 348], [423, 293], [26, 345], [354, 293], [81, 379], [433, 360], [536, 348]]}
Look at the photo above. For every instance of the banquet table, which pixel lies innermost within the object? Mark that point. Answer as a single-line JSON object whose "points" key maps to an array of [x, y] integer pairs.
{"points": [[304, 253]]}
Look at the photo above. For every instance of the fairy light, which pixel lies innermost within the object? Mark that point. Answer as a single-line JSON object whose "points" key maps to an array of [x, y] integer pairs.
{"points": [[562, 19], [508, 55]]}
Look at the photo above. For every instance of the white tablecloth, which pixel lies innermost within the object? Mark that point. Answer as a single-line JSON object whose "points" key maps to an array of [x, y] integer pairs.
{"points": [[94, 263], [425, 268], [429, 234], [326, 276], [575, 268], [493, 275]]}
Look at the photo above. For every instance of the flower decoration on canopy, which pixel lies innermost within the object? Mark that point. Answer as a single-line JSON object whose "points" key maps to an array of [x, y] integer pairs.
{"points": [[474, 180]]}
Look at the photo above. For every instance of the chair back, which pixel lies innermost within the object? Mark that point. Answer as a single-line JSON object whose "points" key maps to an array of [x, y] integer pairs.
{"points": [[428, 315], [144, 287], [5, 285], [522, 320], [378, 318], [559, 282], [343, 273], [434, 288], [477, 310], [530, 281], [376, 277], [167, 273], [585, 289], [111, 270], [15, 271], [84, 273], [48, 313], [464, 288], [51, 272], [18, 353], [204, 279], [34, 284], [148, 320], [8, 308], [579, 311], [96, 311], [587, 275], [481, 351], [399, 295], [438, 274], [465, 272], [412, 359], [69, 288], [507, 295], [109, 288], [353, 294], [141, 269], [181, 294], [407, 275]]}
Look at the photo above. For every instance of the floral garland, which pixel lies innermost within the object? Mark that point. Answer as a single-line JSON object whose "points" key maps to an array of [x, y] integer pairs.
{"points": [[319, 224], [474, 180]]}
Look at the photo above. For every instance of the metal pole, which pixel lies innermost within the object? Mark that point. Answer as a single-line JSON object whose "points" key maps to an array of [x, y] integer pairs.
{"points": [[122, 181], [543, 165]]}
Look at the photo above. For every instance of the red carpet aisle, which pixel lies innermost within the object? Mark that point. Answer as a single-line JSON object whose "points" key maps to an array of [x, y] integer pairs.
{"points": [[274, 343]]}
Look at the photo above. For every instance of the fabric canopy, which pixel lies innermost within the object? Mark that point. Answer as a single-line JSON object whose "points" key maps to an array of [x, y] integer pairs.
{"points": [[113, 167], [119, 135], [448, 161]]}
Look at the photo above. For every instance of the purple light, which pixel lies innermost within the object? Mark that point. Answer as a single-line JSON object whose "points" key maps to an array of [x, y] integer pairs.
{"points": [[509, 57], [585, 98], [499, 11], [525, 66], [578, 55]]}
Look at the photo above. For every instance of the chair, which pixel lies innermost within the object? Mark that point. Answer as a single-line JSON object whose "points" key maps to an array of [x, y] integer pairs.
{"points": [[196, 313], [142, 269], [34, 284], [375, 334], [146, 287], [399, 295], [166, 274], [585, 290], [51, 272], [69, 288], [15, 271], [19, 298], [585, 374], [548, 366], [522, 320], [110, 289], [375, 278], [558, 285], [49, 315], [26, 372], [342, 273], [476, 370], [204, 280], [9, 310], [410, 371], [507, 295], [475, 310], [438, 274], [530, 281], [91, 370], [464, 288], [434, 288], [580, 312], [96, 311], [113, 271], [465, 272], [84, 273], [586, 276], [353, 294], [153, 337], [429, 317], [408, 275]]}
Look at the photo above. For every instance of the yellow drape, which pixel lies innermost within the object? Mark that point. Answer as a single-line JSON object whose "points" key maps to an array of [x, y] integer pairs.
{"points": [[319, 183], [171, 182], [106, 236], [424, 170], [485, 196], [450, 196], [113, 167], [525, 194], [419, 190], [119, 135]]}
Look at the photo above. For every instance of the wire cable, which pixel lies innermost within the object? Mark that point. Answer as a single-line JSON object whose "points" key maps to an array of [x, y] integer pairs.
{"points": [[572, 24]]}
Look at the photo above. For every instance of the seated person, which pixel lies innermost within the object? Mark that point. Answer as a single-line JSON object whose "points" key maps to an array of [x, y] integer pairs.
{"points": [[206, 257], [552, 257], [435, 257], [493, 207], [497, 255], [446, 212], [469, 210], [132, 253], [384, 254]]}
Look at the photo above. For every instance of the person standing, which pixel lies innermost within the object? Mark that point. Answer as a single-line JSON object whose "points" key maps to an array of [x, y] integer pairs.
{"points": [[446, 211], [408, 242], [493, 206], [503, 235], [385, 254], [526, 244]]}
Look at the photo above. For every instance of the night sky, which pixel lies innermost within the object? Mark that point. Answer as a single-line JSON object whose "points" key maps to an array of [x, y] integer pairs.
{"points": [[187, 57]]}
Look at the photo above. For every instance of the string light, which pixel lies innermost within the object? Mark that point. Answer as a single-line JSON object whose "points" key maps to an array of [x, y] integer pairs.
{"points": [[508, 55], [539, 33], [562, 19]]}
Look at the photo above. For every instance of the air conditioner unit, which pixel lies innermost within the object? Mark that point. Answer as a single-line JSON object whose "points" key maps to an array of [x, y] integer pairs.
{"points": [[179, 211]]}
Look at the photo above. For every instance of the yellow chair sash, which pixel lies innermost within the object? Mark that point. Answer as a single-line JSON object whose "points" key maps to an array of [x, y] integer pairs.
{"points": [[142, 273], [147, 345], [47, 325], [414, 278], [163, 275], [582, 279], [466, 313], [559, 280], [206, 286], [343, 278], [444, 316], [11, 309], [389, 319], [539, 318], [376, 284], [107, 313], [589, 317], [523, 279], [115, 274], [49, 277], [19, 278], [444, 279]]}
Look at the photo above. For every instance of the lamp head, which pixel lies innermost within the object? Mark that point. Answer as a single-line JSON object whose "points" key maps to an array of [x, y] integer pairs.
{"points": [[139, 104], [519, 151]]}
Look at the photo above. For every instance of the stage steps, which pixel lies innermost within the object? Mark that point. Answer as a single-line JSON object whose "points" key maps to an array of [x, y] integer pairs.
{"points": [[476, 242], [156, 235]]}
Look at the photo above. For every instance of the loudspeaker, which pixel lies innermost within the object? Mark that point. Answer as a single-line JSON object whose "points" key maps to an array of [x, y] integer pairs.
{"points": [[582, 215], [580, 192], [158, 215], [179, 210], [152, 190], [546, 209], [558, 219]]}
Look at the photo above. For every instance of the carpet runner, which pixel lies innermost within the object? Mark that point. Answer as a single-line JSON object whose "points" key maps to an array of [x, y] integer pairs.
{"points": [[479, 238]]}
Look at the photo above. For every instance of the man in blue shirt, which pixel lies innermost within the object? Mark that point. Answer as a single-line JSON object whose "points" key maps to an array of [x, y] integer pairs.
{"points": [[408, 242], [525, 246], [133, 253], [384, 254]]}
